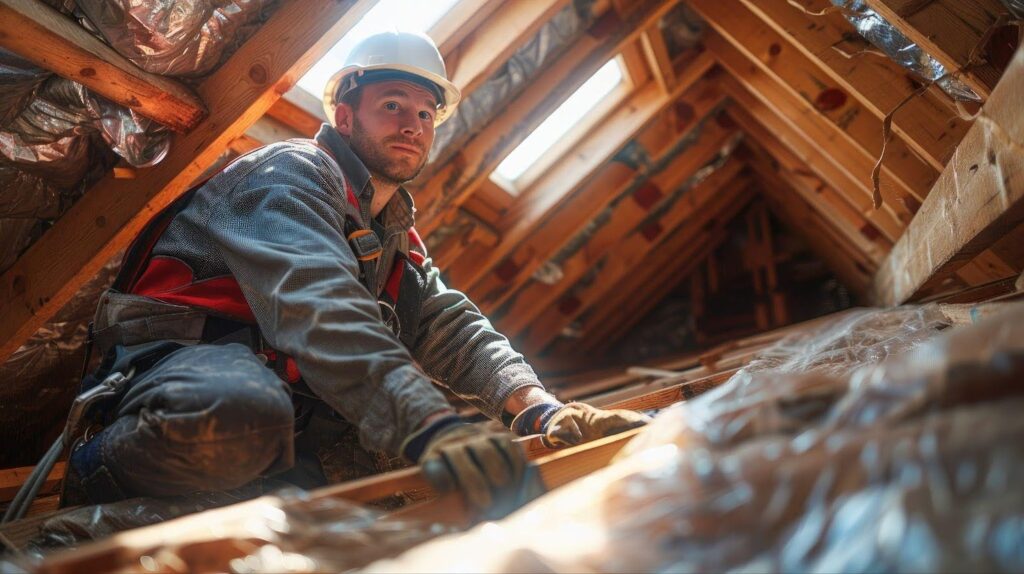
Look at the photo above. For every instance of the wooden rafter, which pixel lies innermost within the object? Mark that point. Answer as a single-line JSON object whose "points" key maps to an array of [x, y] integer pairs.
{"points": [[860, 234], [816, 159], [951, 31], [538, 234], [680, 226], [851, 129], [460, 177], [978, 199], [48, 39], [536, 297], [113, 211], [928, 123], [656, 52]]}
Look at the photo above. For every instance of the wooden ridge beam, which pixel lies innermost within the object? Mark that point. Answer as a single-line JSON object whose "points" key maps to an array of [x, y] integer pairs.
{"points": [[951, 31], [677, 228], [114, 210], [536, 297], [452, 183], [802, 139], [54, 42], [835, 207], [576, 189], [806, 91], [486, 48], [928, 123], [978, 199]]}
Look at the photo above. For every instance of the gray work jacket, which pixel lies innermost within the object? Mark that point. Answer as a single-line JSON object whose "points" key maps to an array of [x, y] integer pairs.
{"points": [[274, 220]]}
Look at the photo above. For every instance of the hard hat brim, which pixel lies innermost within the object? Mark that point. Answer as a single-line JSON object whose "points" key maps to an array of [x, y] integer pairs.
{"points": [[452, 94]]}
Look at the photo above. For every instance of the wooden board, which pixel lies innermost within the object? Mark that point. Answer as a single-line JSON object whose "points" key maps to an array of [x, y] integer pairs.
{"points": [[54, 42], [978, 199]]}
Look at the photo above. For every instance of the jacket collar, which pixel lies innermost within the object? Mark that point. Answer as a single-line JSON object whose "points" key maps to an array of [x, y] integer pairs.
{"points": [[400, 209]]}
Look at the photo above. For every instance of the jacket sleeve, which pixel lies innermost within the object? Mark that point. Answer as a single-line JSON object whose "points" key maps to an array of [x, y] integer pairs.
{"points": [[458, 347], [280, 230]]}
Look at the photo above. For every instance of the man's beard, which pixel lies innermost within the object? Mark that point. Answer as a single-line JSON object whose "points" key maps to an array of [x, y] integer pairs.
{"points": [[385, 169]]}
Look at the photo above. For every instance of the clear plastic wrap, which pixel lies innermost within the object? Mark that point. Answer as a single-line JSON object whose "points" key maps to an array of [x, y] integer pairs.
{"points": [[174, 37], [908, 464], [902, 50], [1016, 7]]}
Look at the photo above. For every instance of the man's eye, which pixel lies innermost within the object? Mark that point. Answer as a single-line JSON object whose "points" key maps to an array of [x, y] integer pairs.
{"points": [[391, 106], [426, 116]]}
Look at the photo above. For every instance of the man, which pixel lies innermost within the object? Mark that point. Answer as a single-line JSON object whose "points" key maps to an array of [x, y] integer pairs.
{"points": [[294, 314]]}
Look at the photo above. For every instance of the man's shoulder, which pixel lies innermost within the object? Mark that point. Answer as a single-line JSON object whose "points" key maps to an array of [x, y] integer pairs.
{"points": [[294, 152]]}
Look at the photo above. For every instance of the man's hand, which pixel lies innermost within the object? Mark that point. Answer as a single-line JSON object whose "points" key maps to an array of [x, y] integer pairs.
{"points": [[479, 463], [575, 423]]}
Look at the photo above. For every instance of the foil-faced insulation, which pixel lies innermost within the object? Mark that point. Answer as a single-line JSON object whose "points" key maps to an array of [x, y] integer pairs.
{"points": [[490, 98], [185, 38], [682, 28], [902, 50]]}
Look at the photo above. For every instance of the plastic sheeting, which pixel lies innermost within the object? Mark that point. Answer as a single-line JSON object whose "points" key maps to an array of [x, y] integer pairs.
{"points": [[1016, 7], [877, 445], [173, 37], [902, 50]]}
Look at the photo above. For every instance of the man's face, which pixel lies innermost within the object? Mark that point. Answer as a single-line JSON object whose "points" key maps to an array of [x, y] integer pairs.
{"points": [[391, 129]]}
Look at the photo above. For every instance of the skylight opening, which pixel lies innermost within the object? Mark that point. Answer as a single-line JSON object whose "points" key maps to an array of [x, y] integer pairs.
{"points": [[386, 15], [556, 126]]}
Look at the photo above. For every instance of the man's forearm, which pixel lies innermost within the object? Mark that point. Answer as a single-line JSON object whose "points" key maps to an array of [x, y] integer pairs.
{"points": [[525, 397]]}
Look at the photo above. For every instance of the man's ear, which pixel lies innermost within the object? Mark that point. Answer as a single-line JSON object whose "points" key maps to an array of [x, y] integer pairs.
{"points": [[344, 116]]}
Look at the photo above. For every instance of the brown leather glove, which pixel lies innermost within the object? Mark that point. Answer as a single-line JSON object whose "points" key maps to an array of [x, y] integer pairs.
{"points": [[478, 462], [577, 423]]}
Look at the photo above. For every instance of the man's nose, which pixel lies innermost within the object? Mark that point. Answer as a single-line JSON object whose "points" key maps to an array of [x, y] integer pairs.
{"points": [[411, 125]]}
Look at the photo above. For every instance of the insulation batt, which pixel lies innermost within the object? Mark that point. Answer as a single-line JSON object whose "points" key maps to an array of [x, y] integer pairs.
{"points": [[871, 445]]}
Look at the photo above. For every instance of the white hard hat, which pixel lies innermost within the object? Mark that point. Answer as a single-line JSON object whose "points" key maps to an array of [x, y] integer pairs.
{"points": [[404, 52]]}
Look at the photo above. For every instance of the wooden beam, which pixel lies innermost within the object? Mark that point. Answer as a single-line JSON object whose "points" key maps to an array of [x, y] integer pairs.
{"points": [[538, 232], [460, 177], [978, 199], [48, 39], [951, 31], [653, 43], [487, 47], [927, 123], [805, 140], [295, 117], [860, 233], [535, 297], [461, 20], [113, 211], [689, 216], [851, 129]]}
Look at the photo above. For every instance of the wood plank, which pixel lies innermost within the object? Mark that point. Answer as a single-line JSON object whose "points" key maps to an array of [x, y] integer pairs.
{"points": [[459, 178], [113, 211], [813, 94], [978, 199], [295, 117], [653, 43], [11, 480], [622, 260], [461, 20], [805, 139], [927, 123], [951, 31], [487, 47], [54, 42], [572, 191], [536, 297]]}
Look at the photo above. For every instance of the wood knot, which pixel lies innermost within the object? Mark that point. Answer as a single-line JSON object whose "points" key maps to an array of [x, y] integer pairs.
{"points": [[775, 49], [87, 72], [101, 221], [258, 74], [830, 99], [18, 285]]}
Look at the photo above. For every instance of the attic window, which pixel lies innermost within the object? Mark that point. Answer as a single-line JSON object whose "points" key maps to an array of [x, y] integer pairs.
{"points": [[562, 128], [404, 15]]}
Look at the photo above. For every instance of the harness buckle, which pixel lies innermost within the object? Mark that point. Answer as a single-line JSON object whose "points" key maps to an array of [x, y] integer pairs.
{"points": [[390, 317], [365, 244]]}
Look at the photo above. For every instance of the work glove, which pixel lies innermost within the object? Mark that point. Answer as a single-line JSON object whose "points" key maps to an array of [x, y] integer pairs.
{"points": [[482, 464], [574, 423]]}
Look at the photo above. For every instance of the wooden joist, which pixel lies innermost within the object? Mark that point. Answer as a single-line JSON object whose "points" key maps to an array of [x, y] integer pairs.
{"points": [[978, 199], [51, 41], [113, 211], [951, 31]]}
